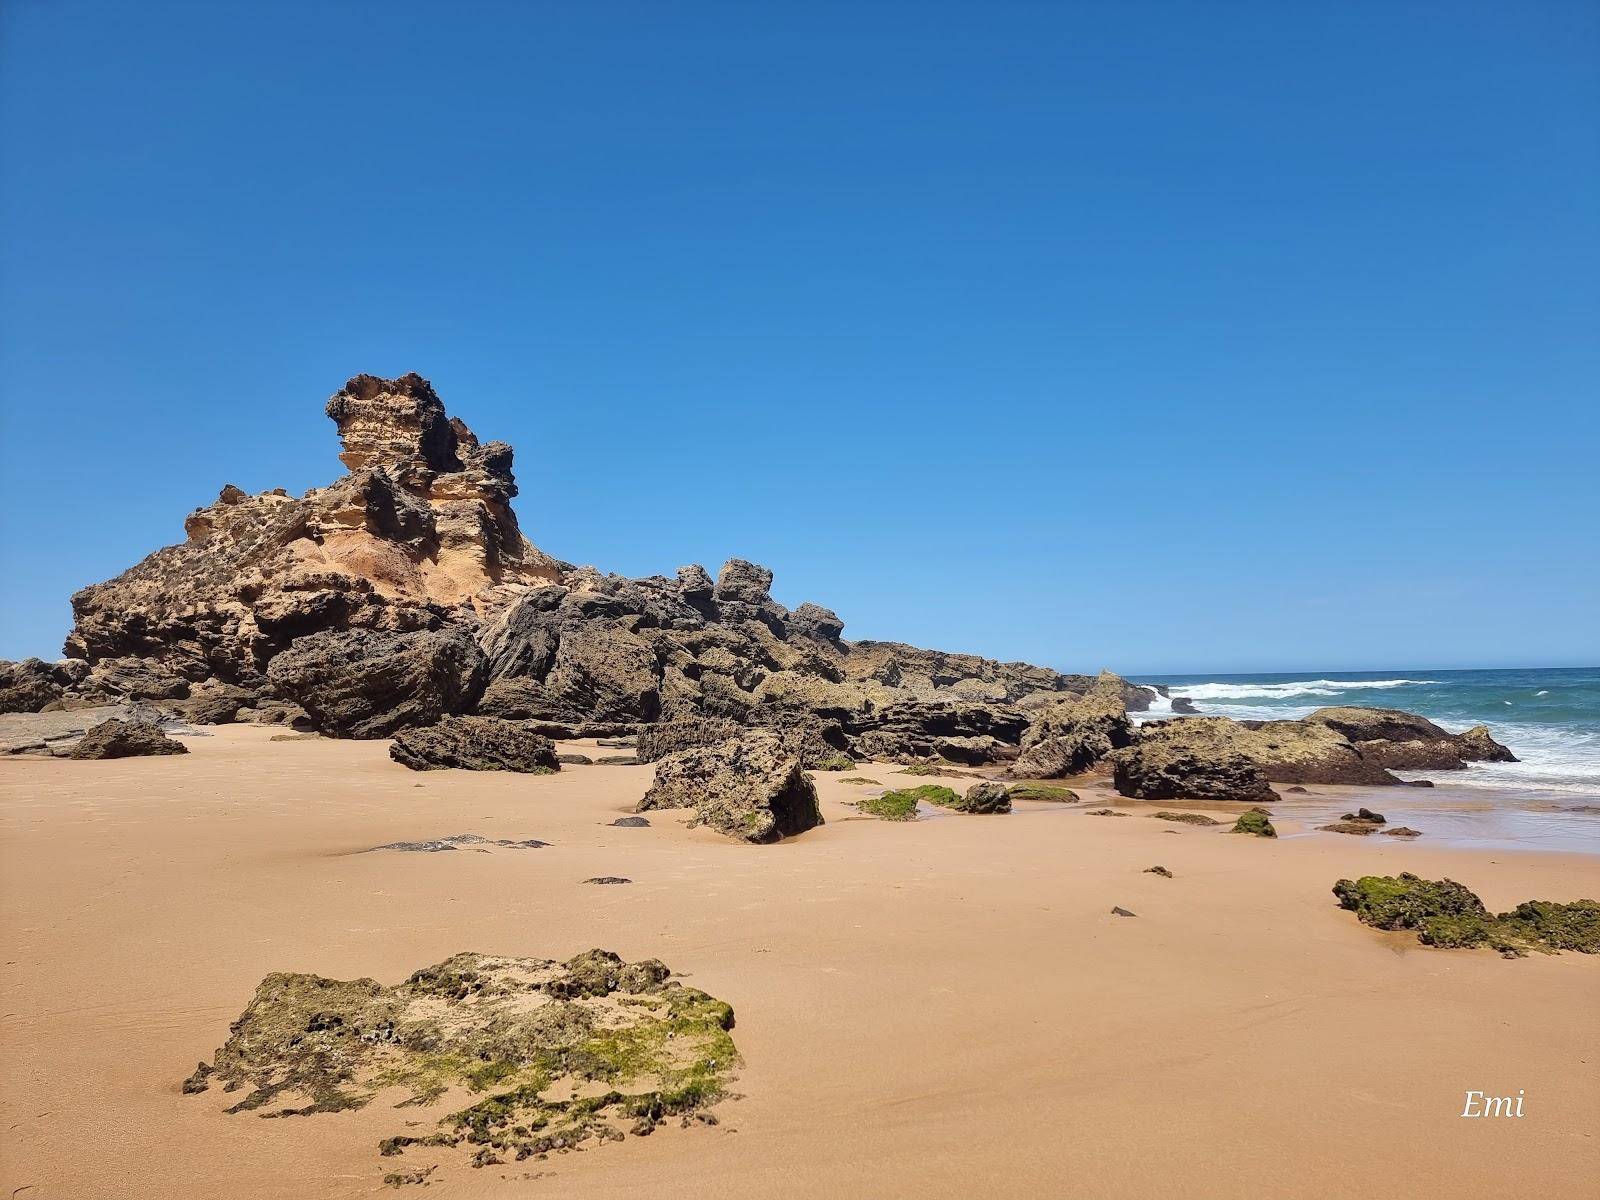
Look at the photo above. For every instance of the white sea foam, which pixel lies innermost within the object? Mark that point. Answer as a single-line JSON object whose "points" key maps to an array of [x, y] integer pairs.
{"points": [[1284, 691]]}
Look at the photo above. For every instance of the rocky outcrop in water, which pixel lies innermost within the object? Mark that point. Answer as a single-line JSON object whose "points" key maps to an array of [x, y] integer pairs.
{"points": [[1403, 741]]}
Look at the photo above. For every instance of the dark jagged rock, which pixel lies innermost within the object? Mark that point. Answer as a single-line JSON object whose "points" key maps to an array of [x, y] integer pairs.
{"points": [[1164, 767], [814, 621], [575, 760], [1161, 871], [32, 685], [749, 787], [475, 744], [364, 684], [1401, 831], [1365, 814], [1184, 706], [125, 739], [983, 799], [1073, 735], [631, 823]]}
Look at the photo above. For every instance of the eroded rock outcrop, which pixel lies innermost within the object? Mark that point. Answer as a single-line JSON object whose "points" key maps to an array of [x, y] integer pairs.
{"points": [[749, 787], [1073, 735], [364, 683], [475, 744], [1403, 741]]}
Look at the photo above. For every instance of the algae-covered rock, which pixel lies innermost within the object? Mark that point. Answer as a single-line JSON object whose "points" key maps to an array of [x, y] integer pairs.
{"points": [[475, 744], [1446, 914], [1255, 821], [1402, 831], [125, 739], [624, 1043], [1356, 828], [983, 799], [749, 787], [1186, 818], [891, 806], [1049, 792], [902, 805]]}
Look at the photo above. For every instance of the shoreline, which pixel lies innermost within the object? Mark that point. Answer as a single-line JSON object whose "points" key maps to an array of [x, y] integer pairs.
{"points": [[922, 1008]]}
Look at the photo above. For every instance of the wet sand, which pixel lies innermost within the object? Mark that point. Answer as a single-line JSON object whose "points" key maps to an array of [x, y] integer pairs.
{"points": [[945, 1008]]}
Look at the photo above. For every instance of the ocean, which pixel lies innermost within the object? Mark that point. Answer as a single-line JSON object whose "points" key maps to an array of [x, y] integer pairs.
{"points": [[1549, 717]]}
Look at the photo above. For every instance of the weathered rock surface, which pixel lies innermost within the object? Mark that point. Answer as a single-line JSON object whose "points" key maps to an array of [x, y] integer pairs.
{"points": [[1072, 735], [475, 744], [749, 787], [363, 683], [1446, 914], [657, 741], [32, 685], [1171, 762], [125, 739], [1255, 821], [983, 799], [638, 1046], [1406, 742], [1212, 752]]}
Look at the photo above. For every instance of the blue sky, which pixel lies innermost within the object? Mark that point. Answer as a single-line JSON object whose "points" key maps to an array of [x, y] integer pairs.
{"points": [[1162, 337]]}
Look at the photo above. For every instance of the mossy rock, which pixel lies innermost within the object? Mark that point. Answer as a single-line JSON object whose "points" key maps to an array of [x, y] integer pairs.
{"points": [[981, 799], [1043, 791], [901, 805], [1255, 821], [1355, 828], [640, 1045], [1448, 915], [861, 779], [1186, 818], [835, 762]]}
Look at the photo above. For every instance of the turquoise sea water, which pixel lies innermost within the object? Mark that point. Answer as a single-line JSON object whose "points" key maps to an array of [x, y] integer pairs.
{"points": [[1550, 717]]}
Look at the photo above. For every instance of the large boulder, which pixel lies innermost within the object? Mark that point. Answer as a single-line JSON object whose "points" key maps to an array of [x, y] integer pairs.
{"points": [[1405, 741], [1172, 766], [1072, 735], [475, 744], [363, 684], [920, 729], [743, 582], [125, 739], [28, 686], [1281, 751], [749, 787]]}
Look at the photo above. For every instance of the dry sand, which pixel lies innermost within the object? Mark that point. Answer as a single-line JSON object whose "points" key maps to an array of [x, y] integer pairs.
{"points": [[945, 1008]]}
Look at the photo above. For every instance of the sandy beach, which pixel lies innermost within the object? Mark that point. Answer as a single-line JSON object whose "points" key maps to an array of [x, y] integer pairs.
{"points": [[942, 1008]]}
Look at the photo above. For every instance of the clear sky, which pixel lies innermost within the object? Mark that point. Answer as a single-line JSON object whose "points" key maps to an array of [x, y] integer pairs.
{"points": [[1161, 337]]}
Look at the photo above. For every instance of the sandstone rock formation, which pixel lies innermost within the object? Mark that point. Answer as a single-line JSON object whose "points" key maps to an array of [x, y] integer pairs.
{"points": [[1171, 762], [749, 787], [476, 744], [1280, 751], [1072, 735]]}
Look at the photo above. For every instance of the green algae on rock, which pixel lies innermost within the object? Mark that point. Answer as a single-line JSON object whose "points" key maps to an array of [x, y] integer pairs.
{"points": [[1186, 818], [1255, 821], [861, 779], [981, 799], [1448, 915], [902, 805], [561, 1049], [1043, 791]]}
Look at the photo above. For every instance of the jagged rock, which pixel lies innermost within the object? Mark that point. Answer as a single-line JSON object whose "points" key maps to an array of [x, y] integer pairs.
{"points": [[363, 684], [743, 582], [1406, 742], [475, 744], [919, 729], [656, 742], [575, 760], [749, 787], [125, 739], [814, 621], [1365, 814], [984, 798], [28, 686], [1448, 915], [1168, 767], [1184, 706], [694, 583], [1073, 735]]}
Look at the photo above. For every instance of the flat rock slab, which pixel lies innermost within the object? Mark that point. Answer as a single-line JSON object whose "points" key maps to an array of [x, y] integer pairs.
{"points": [[463, 840], [631, 823], [54, 733], [607, 880]]}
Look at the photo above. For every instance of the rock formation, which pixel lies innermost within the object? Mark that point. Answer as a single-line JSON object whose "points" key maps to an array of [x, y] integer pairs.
{"points": [[475, 744], [1403, 741], [125, 739], [749, 787]]}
